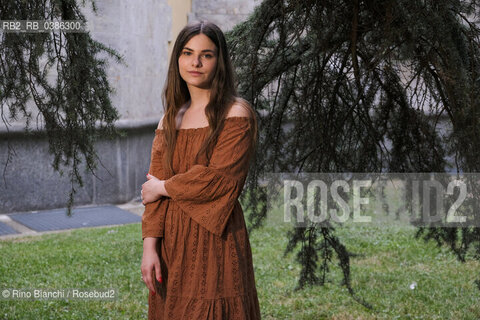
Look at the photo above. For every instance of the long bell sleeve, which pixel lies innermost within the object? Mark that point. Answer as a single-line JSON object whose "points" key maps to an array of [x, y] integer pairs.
{"points": [[153, 218], [208, 194]]}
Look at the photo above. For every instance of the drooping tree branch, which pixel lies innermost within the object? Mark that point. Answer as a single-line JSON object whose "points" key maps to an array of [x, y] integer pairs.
{"points": [[75, 108]]}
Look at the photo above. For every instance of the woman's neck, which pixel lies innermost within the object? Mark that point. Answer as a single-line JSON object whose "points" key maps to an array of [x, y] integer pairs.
{"points": [[199, 98]]}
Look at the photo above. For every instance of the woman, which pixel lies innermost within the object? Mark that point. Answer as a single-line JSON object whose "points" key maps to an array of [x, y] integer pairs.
{"points": [[197, 260]]}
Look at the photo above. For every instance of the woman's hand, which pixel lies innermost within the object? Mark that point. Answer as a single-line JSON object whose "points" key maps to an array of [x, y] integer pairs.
{"points": [[151, 264], [152, 189]]}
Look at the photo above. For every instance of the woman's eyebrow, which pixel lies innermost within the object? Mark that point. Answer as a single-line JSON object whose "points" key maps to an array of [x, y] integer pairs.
{"points": [[206, 50]]}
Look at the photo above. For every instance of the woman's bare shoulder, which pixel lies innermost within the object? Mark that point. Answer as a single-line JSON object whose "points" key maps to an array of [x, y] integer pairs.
{"points": [[240, 108], [160, 123]]}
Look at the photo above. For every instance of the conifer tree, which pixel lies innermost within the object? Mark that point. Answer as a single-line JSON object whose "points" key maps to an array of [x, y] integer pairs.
{"points": [[349, 76]]}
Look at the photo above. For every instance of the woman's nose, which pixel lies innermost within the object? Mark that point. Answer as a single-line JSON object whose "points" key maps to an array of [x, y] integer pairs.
{"points": [[196, 61]]}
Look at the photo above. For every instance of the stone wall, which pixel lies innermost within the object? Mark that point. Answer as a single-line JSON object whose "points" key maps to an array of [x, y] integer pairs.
{"points": [[225, 13], [31, 183]]}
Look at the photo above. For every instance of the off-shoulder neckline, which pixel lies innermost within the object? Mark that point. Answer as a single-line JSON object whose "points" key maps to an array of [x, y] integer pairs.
{"points": [[236, 118]]}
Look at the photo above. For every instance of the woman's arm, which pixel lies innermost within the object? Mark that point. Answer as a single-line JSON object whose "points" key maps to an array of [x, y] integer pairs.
{"points": [[151, 263], [153, 189], [154, 215]]}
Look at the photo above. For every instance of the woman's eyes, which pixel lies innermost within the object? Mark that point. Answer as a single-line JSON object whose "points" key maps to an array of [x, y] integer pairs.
{"points": [[207, 55]]}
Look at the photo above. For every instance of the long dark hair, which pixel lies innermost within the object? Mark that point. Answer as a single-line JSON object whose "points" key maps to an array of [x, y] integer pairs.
{"points": [[222, 96]]}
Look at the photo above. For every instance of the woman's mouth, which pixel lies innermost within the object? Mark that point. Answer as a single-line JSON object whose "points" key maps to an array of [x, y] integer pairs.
{"points": [[194, 73]]}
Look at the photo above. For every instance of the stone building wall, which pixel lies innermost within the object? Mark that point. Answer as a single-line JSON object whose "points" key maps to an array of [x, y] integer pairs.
{"points": [[225, 13]]}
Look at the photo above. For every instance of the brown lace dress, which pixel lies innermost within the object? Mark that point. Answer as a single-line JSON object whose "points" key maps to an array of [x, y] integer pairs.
{"points": [[205, 252]]}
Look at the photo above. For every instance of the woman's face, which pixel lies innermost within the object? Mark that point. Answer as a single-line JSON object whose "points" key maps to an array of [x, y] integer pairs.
{"points": [[197, 61]]}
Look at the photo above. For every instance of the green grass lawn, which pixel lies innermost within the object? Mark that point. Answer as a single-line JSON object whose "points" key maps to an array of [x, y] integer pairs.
{"points": [[390, 261]]}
